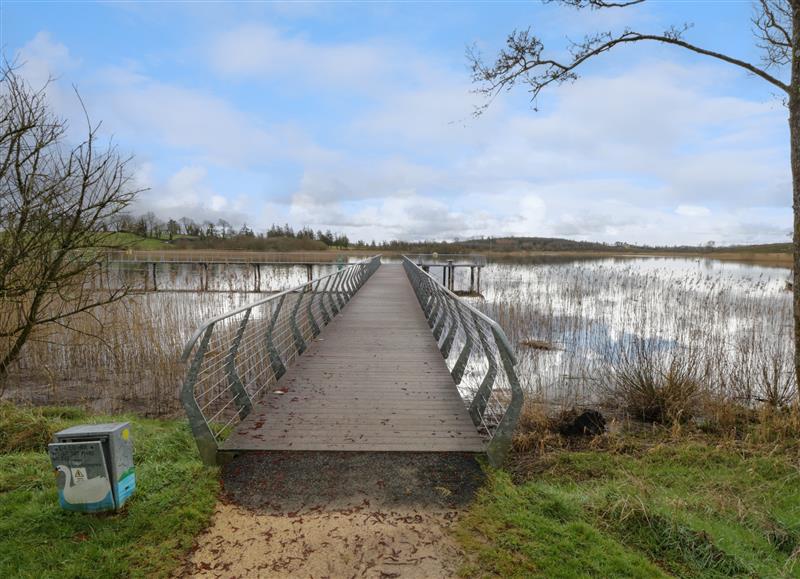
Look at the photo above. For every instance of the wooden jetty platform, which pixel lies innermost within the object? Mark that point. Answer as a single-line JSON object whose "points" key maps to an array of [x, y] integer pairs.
{"points": [[369, 358], [373, 380]]}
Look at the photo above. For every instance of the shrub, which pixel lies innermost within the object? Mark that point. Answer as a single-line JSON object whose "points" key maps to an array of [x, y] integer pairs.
{"points": [[655, 386], [25, 429]]}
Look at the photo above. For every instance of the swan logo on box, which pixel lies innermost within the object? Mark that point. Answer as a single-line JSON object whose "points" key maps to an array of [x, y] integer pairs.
{"points": [[82, 476]]}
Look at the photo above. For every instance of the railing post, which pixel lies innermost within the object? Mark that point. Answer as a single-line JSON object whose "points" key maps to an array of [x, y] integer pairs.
{"points": [[278, 369], [451, 332], [203, 435], [334, 306], [314, 327], [348, 292], [501, 439], [299, 342], [326, 318], [338, 291], [241, 397], [441, 313], [463, 357], [478, 405]]}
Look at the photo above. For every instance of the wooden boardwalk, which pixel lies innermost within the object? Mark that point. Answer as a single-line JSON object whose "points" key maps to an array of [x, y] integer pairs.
{"points": [[373, 380]]}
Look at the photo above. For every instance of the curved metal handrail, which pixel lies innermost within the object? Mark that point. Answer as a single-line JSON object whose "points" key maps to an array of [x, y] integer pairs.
{"points": [[479, 356], [239, 354]]}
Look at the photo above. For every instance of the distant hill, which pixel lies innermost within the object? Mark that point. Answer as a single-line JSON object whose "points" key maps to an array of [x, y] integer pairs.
{"points": [[545, 244]]}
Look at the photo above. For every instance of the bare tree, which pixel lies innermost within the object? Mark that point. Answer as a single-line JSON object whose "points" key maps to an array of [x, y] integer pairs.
{"points": [[776, 32], [55, 202]]}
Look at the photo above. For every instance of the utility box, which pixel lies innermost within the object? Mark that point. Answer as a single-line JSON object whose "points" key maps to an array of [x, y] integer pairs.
{"points": [[94, 466]]}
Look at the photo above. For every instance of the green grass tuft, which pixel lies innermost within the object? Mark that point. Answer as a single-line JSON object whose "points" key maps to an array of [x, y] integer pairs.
{"points": [[688, 508]]}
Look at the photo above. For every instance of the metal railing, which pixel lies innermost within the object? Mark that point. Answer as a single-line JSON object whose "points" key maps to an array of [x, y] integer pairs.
{"points": [[233, 257], [479, 357], [234, 358], [442, 259]]}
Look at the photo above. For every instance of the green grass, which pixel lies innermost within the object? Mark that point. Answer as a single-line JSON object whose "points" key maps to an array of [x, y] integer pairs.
{"points": [[133, 241], [173, 502], [689, 509]]}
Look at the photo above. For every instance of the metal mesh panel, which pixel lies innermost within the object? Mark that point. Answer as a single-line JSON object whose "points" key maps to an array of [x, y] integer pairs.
{"points": [[479, 357], [235, 358]]}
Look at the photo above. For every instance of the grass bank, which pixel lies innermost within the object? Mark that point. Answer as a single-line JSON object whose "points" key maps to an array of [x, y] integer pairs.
{"points": [[640, 506], [174, 501]]}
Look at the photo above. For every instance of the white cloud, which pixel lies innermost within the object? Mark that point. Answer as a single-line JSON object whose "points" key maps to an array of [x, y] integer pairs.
{"points": [[43, 58], [693, 211], [260, 51], [186, 193], [636, 156]]}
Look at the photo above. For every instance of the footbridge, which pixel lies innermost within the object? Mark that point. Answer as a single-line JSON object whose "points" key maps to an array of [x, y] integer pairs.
{"points": [[373, 357]]}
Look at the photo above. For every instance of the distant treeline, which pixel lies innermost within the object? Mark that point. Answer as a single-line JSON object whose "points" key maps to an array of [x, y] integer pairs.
{"points": [[186, 233]]}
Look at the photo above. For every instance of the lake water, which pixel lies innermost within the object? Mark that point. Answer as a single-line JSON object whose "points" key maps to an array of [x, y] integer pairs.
{"points": [[732, 321]]}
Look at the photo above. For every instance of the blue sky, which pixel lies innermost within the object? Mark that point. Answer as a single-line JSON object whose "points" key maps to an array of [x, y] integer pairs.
{"points": [[357, 117]]}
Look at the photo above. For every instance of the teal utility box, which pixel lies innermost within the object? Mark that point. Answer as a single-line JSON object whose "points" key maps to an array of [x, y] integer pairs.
{"points": [[94, 466]]}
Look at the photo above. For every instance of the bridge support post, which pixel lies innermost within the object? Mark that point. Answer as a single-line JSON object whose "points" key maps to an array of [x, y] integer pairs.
{"points": [[478, 288], [257, 277], [204, 280], [309, 271], [155, 283], [471, 279], [451, 276]]}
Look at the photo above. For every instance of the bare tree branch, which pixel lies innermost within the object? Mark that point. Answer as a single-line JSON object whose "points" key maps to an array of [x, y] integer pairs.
{"points": [[55, 203], [524, 59]]}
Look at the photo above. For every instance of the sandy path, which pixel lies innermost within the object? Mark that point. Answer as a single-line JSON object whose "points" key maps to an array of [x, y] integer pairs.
{"points": [[337, 515]]}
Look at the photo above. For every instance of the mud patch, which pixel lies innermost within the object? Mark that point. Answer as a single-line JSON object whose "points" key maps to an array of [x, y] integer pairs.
{"points": [[337, 515]]}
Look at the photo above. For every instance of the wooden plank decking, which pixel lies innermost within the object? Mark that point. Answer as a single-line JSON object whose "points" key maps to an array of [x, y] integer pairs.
{"points": [[374, 380]]}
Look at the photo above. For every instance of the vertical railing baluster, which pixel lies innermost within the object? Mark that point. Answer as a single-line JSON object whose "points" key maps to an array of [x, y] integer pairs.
{"points": [[299, 342], [441, 312], [312, 322], [451, 331], [278, 368], [338, 293], [501, 438], [478, 405], [240, 396], [326, 318], [334, 306], [463, 357], [203, 435]]}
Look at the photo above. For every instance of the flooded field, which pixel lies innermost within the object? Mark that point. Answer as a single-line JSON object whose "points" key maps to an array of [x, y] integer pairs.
{"points": [[581, 328]]}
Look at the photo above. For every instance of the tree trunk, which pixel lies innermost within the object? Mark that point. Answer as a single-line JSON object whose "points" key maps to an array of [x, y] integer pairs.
{"points": [[794, 144]]}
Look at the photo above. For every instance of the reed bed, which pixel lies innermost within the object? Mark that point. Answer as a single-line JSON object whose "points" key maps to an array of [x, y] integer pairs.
{"points": [[662, 339], [658, 338], [126, 356]]}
